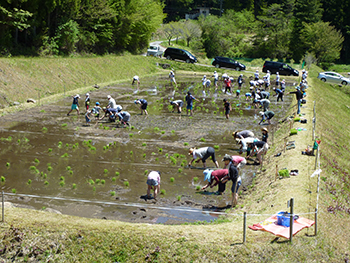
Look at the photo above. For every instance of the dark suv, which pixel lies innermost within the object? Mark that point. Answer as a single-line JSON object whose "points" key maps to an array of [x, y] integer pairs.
{"points": [[222, 62], [181, 54], [281, 68]]}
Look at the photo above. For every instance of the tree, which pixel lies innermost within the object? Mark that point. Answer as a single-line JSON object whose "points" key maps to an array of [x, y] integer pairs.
{"points": [[190, 30], [323, 40], [171, 30]]}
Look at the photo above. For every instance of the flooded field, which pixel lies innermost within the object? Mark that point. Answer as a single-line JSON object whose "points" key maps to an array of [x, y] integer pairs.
{"points": [[103, 167]]}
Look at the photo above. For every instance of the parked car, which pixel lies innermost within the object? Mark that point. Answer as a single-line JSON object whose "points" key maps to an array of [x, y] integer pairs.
{"points": [[223, 62], [333, 77], [181, 54], [280, 67], [155, 51]]}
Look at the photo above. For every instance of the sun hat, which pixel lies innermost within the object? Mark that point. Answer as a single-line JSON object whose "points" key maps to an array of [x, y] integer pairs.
{"points": [[234, 133], [87, 94], [97, 103], [204, 76], [207, 175], [77, 96], [190, 151], [109, 96], [227, 158], [104, 108], [264, 129], [215, 71], [261, 113]]}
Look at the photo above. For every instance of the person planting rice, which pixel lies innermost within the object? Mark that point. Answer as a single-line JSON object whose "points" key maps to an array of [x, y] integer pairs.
{"points": [[96, 110], [238, 161], [242, 134], [203, 154], [124, 117], [214, 178], [267, 115], [260, 148], [143, 105], [111, 102], [75, 104], [233, 176], [265, 134], [227, 82], [178, 104], [137, 80], [264, 103], [153, 183], [216, 79], [172, 78], [244, 144], [88, 116]]}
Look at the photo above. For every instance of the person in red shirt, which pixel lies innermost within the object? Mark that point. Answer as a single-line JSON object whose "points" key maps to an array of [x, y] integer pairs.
{"points": [[214, 178], [227, 82]]}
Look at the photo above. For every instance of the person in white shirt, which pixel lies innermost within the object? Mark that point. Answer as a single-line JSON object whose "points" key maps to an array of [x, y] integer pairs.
{"points": [[137, 80], [172, 78], [111, 102], [216, 79]]}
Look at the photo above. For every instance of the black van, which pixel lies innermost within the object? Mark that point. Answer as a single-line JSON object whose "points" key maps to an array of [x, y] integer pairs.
{"points": [[181, 54], [280, 67]]}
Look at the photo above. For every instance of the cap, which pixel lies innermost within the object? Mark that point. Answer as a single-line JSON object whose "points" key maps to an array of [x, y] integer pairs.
{"points": [[204, 76], [109, 96], [87, 94], [97, 103], [261, 113], [215, 71], [77, 95], [227, 158]]}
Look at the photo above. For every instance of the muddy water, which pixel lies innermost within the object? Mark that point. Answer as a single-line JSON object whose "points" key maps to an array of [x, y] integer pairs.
{"points": [[44, 152]]}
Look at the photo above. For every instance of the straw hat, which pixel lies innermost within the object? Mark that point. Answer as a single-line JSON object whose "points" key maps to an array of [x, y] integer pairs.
{"points": [[261, 113], [234, 133], [190, 151], [264, 129]]}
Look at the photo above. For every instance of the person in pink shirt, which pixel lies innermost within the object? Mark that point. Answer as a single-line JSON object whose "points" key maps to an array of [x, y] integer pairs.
{"points": [[153, 183], [214, 178], [238, 161]]}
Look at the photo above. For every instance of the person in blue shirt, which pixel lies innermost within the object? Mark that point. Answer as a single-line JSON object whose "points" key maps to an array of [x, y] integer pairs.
{"points": [[75, 104], [124, 117], [279, 94], [189, 99], [143, 105]]}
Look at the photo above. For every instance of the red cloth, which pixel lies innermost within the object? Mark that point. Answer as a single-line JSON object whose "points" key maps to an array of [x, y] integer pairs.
{"points": [[270, 225]]}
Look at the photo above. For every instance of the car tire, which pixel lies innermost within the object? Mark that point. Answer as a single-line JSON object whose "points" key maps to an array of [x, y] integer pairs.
{"points": [[168, 57], [238, 68], [217, 65], [188, 61], [344, 83], [323, 79]]}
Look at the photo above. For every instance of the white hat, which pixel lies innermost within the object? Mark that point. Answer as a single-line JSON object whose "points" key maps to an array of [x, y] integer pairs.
{"points": [[78, 96], [277, 73], [261, 113], [109, 96], [204, 76], [268, 71], [257, 71], [87, 94], [215, 71]]}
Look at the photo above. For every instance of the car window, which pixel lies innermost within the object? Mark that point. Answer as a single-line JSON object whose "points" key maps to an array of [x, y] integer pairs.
{"points": [[285, 66], [232, 61], [153, 48]]}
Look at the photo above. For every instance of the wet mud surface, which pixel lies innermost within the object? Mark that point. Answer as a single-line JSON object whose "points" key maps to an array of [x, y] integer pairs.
{"points": [[104, 167]]}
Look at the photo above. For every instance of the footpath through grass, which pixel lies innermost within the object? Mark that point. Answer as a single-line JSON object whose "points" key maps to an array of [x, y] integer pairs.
{"points": [[37, 235]]}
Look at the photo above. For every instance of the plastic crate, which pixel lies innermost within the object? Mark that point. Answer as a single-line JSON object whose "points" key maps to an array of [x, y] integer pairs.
{"points": [[283, 219]]}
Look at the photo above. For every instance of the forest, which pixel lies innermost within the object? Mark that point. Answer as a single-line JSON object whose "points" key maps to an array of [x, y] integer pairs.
{"points": [[289, 29]]}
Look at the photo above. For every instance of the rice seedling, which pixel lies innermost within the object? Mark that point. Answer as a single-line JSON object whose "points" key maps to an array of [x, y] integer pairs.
{"points": [[67, 145], [131, 153], [131, 134], [64, 125], [153, 153], [25, 140], [74, 186], [144, 144], [65, 155], [103, 181], [68, 168], [97, 181], [91, 182], [145, 172], [19, 141], [94, 188], [166, 155], [46, 183], [3, 179], [112, 193], [162, 191], [183, 163], [179, 170], [216, 147], [62, 183], [132, 127], [182, 156], [198, 188], [202, 139], [45, 176], [62, 178], [92, 148], [33, 168], [105, 171], [41, 173], [29, 181], [186, 144], [179, 198], [36, 160], [126, 183], [73, 147], [42, 111], [8, 164], [173, 160], [50, 150], [117, 173], [162, 132], [49, 168], [160, 150], [172, 131], [156, 129], [89, 141], [195, 179], [214, 112], [176, 155], [144, 155], [106, 128], [44, 129], [77, 144], [71, 172]]}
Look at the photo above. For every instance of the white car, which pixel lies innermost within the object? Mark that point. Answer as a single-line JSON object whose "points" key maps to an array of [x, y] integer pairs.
{"points": [[155, 51], [333, 77]]}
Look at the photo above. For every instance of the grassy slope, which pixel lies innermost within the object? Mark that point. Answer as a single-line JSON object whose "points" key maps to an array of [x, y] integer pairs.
{"points": [[71, 239]]}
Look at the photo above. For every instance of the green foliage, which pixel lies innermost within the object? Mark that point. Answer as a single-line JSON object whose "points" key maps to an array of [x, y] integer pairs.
{"points": [[172, 179], [162, 191], [195, 179], [112, 193], [293, 131], [14, 190], [3, 179], [126, 183], [283, 173], [74, 186]]}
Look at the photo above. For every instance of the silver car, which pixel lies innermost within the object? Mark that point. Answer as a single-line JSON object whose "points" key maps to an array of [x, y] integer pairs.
{"points": [[333, 77]]}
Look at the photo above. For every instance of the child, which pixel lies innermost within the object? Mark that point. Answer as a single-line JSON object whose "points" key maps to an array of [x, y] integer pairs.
{"points": [[143, 105], [153, 183], [178, 104], [237, 93], [75, 104], [87, 101], [88, 117], [248, 96], [265, 134], [227, 82], [227, 108], [96, 110]]}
